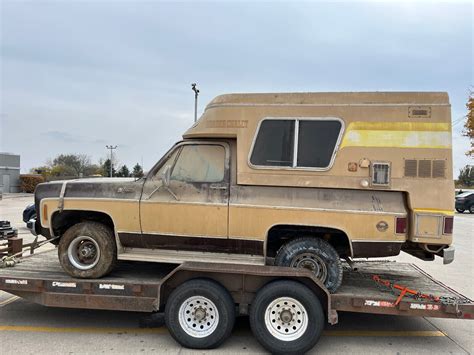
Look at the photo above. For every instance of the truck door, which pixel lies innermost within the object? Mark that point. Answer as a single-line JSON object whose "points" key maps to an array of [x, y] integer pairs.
{"points": [[188, 197]]}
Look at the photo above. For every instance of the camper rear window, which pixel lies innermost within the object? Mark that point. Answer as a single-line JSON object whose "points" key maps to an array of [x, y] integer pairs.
{"points": [[296, 143]]}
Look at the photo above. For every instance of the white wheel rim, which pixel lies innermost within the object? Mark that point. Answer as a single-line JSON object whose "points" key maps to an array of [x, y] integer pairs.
{"points": [[83, 252], [313, 263], [286, 319], [198, 316]]}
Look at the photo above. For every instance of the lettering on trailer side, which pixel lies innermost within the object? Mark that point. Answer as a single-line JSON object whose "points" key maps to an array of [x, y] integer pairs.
{"points": [[64, 284], [372, 303], [16, 282], [111, 287], [426, 307]]}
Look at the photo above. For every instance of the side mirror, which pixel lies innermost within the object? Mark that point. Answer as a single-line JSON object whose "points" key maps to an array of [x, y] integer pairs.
{"points": [[165, 176]]}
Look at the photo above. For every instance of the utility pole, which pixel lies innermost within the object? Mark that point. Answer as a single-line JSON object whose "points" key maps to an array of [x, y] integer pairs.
{"points": [[111, 147], [196, 93]]}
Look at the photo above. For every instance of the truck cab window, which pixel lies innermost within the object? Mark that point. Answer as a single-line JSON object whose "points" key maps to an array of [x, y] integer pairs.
{"points": [[200, 163], [169, 163]]}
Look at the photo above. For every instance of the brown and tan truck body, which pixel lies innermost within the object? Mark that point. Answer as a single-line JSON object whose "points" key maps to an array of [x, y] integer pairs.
{"points": [[370, 173]]}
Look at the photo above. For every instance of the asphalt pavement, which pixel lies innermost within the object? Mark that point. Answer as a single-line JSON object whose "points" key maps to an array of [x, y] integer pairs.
{"points": [[28, 328]]}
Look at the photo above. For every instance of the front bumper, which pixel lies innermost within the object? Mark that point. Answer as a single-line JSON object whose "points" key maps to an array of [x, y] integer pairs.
{"points": [[31, 225], [448, 255]]}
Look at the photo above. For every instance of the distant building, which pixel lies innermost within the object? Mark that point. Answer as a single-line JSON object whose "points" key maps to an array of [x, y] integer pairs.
{"points": [[9, 172]]}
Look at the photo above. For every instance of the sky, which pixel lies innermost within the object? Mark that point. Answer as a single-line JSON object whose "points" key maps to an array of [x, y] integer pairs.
{"points": [[78, 75]]}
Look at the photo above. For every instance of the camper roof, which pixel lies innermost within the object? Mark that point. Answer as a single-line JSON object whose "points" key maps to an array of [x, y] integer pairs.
{"points": [[332, 98]]}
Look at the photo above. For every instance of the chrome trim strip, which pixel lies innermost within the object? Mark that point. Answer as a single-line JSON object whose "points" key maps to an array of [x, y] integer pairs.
{"points": [[174, 235], [236, 205], [376, 241], [321, 105], [61, 196], [185, 203], [95, 199], [295, 144]]}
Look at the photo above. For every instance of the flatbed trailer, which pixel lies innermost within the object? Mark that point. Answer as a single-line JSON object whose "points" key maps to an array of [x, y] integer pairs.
{"points": [[146, 287]]}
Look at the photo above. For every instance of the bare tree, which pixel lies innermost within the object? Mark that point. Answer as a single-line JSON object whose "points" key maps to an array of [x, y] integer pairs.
{"points": [[469, 125]]}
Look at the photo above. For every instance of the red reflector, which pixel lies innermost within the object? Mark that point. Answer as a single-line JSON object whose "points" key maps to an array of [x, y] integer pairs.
{"points": [[401, 225], [448, 225]]}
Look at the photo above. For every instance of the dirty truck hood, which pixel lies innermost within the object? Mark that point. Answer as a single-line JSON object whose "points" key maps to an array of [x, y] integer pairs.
{"points": [[123, 188]]}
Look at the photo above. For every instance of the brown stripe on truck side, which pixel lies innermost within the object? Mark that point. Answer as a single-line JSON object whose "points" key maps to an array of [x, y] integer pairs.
{"points": [[368, 249], [172, 242]]}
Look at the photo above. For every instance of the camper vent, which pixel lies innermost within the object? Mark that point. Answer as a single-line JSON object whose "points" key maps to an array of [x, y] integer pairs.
{"points": [[439, 167], [419, 112], [380, 174], [425, 168], [411, 168]]}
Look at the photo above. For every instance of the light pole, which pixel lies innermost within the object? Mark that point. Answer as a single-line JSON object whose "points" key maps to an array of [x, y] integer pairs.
{"points": [[196, 93], [111, 147]]}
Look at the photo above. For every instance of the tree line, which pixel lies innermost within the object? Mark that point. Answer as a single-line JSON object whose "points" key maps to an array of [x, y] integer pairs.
{"points": [[80, 165], [466, 174]]}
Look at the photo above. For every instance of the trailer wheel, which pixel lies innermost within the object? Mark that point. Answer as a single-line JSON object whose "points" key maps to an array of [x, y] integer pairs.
{"points": [[316, 255], [286, 317], [200, 314], [87, 250]]}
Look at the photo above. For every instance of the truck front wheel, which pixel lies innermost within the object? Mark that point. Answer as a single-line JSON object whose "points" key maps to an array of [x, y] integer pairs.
{"points": [[286, 317], [87, 250], [200, 314], [313, 254]]}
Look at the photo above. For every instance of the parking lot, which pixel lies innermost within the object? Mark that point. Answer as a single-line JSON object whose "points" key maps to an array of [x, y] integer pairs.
{"points": [[29, 328]]}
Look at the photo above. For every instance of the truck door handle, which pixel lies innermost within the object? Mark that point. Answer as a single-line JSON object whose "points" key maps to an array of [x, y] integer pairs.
{"points": [[218, 187]]}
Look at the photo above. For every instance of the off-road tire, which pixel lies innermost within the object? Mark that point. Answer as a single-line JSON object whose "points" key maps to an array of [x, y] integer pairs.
{"points": [[214, 292], [282, 290], [460, 210], [105, 240], [320, 249]]}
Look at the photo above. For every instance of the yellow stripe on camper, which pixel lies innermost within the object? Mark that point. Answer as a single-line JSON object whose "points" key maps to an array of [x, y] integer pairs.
{"points": [[397, 135]]}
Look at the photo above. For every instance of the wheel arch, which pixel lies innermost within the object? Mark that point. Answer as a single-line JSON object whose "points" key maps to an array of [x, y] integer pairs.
{"points": [[61, 221], [279, 234]]}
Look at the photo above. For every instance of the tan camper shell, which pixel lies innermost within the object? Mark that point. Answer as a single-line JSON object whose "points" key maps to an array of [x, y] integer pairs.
{"points": [[301, 180]]}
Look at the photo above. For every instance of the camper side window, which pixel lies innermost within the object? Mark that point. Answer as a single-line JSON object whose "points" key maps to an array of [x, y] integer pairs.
{"points": [[296, 143], [316, 143], [274, 144]]}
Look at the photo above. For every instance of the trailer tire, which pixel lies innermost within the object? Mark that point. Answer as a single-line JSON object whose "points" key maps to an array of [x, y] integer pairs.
{"points": [[286, 317], [87, 250], [200, 314], [315, 254]]}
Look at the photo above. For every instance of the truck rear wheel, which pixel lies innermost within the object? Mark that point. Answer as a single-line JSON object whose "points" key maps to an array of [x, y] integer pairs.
{"points": [[286, 317], [316, 255], [200, 314], [87, 250]]}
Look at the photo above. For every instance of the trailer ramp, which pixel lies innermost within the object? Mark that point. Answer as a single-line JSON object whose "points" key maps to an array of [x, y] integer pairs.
{"points": [[359, 292]]}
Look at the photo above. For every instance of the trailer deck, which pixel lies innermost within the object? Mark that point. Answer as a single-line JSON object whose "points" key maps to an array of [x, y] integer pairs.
{"points": [[138, 286]]}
